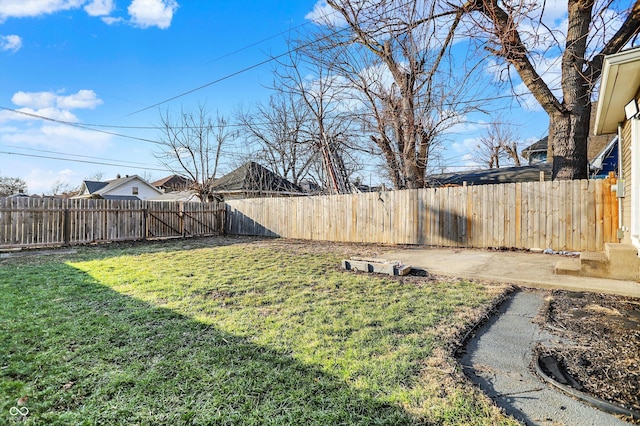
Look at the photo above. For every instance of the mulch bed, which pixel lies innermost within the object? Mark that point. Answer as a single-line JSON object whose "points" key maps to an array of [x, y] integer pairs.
{"points": [[601, 343]]}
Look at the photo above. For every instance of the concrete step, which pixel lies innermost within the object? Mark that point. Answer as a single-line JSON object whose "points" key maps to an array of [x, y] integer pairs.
{"points": [[568, 267], [594, 264]]}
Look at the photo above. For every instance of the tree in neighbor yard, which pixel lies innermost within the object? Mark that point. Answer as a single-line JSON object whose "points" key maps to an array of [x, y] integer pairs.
{"points": [[523, 38], [279, 130], [11, 185], [497, 145], [328, 125], [191, 145], [396, 56]]}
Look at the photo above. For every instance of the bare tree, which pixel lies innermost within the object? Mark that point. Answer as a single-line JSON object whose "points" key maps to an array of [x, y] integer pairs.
{"points": [[516, 33], [12, 185], [192, 144], [96, 176], [395, 55], [60, 187], [498, 145], [328, 124], [279, 129]]}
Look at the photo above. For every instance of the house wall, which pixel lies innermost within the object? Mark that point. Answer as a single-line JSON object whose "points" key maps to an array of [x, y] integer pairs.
{"points": [[625, 202], [144, 191]]}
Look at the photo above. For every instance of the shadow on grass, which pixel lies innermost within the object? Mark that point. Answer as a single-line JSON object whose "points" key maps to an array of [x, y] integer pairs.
{"points": [[85, 354]]}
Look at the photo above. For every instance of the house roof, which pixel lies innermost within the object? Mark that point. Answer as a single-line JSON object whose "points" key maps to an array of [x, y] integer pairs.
{"points": [[94, 186], [101, 188], [595, 145], [618, 86], [529, 173], [121, 197], [173, 181], [186, 196], [602, 155], [253, 177], [539, 146]]}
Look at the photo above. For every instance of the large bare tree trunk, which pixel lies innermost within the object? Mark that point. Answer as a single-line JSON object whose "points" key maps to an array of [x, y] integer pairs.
{"points": [[569, 126], [569, 116], [568, 134]]}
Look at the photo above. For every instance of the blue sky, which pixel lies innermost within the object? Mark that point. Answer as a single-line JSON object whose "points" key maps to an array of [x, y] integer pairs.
{"points": [[100, 61]]}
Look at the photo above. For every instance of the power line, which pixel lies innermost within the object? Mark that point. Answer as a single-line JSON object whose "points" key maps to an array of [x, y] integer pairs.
{"points": [[80, 161], [75, 155], [259, 64], [79, 126], [249, 46]]}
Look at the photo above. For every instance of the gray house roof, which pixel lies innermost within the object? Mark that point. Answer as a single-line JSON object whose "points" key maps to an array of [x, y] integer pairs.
{"points": [[529, 173], [539, 148], [94, 186], [252, 177]]}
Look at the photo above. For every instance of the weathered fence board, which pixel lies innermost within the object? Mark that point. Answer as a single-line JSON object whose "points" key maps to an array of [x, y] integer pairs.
{"points": [[563, 215], [32, 222]]}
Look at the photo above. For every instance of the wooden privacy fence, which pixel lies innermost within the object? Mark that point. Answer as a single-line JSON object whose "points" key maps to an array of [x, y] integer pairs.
{"points": [[30, 222], [562, 215]]}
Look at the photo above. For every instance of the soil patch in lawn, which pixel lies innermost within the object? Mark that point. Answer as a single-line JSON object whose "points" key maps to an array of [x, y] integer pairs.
{"points": [[604, 353]]}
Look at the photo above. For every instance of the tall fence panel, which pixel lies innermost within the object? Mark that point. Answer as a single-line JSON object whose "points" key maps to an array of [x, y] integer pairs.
{"points": [[33, 222], [563, 215]]}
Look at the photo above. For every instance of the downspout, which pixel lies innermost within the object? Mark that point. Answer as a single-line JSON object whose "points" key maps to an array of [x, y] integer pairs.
{"points": [[620, 179]]}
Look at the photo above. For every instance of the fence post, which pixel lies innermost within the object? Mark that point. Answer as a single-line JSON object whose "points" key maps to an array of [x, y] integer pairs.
{"points": [[145, 227], [181, 218], [66, 226]]}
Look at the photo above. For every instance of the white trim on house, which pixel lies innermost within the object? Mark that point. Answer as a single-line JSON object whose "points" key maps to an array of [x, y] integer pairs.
{"points": [[619, 83], [635, 182], [618, 86]]}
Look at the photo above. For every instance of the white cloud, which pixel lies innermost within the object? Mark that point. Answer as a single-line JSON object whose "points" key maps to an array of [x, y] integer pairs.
{"points": [[40, 181], [11, 43], [323, 14], [30, 114], [144, 13], [58, 137], [83, 99], [30, 8], [152, 13], [34, 99], [109, 20], [99, 7]]}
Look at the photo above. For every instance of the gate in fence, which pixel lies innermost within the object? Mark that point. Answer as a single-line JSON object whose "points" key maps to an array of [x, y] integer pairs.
{"points": [[33, 222]]}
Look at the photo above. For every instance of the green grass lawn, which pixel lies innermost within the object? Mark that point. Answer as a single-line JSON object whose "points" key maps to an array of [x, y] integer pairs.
{"points": [[239, 334]]}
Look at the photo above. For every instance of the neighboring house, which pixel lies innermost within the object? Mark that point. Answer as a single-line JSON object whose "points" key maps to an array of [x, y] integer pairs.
{"points": [[537, 152], [529, 173], [187, 196], [617, 112], [121, 188], [173, 183], [605, 162], [253, 180]]}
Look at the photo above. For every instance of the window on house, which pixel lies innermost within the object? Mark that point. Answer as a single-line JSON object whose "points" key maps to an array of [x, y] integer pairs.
{"points": [[134, 190]]}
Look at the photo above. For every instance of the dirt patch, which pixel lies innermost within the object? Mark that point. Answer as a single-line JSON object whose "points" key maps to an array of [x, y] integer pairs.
{"points": [[600, 343]]}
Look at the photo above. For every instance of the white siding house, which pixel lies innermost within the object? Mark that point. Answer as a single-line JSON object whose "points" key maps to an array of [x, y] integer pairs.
{"points": [[126, 188]]}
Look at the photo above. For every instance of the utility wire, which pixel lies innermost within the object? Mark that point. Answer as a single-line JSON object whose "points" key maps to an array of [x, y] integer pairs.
{"points": [[79, 126], [259, 64], [81, 161], [75, 155]]}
